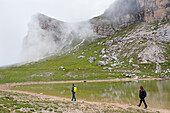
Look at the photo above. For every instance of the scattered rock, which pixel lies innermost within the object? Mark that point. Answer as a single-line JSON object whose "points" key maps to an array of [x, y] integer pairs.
{"points": [[114, 65], [136, 77], [105, 68], [128, 75], [2, 77], [69, 74], [103, 51], [144, 76], [167, 71], [105, 57], [101, 63], [95, 51], [44, 74], [109, 42], [110, 69], [114, 58], [100, 56], [81, 57], [131, 60], [135, 66], [163, 75], [92, 59], [100, 43], [61, 67], [152, 53], [117, 39], [158, 68]]}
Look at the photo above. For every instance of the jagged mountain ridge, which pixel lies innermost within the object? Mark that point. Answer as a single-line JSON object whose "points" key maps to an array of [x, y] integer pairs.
{"points": [[47, 36], [123, 13]]}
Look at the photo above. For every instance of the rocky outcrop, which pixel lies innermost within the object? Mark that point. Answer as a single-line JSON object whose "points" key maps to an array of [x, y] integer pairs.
{"points": [[123, 13], [92, 59], [152, 53], [102, 26], [142, 45], [47, 36]]}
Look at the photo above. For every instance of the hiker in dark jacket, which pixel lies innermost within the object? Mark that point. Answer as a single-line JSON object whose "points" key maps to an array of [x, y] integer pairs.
{"points": [[73, 93], [142, 95]]}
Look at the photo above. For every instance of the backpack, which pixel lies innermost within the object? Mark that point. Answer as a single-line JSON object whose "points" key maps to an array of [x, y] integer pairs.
{"points": [[75, 89], [145, 94]]}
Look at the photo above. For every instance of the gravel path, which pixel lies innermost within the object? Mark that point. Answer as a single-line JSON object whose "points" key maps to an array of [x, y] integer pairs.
{"points": [[6, 88]]}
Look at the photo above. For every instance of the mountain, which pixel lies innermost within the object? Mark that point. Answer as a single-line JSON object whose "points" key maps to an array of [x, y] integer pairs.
{"points": [[47, 36], [131, 39], [123, 13]]}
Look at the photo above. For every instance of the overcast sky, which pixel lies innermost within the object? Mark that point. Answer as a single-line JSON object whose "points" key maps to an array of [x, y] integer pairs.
{"points": [[15, 15]]}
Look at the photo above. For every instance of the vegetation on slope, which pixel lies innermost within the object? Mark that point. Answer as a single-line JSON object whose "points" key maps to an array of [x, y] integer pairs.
{"points": [[76, 68]]}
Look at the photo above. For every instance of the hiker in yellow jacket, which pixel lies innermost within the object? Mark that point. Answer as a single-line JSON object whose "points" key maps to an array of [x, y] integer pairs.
{"points": [[74, 89]]}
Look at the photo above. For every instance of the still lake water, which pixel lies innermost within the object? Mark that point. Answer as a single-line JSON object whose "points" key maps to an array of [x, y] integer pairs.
{"points": [[158, 92]]}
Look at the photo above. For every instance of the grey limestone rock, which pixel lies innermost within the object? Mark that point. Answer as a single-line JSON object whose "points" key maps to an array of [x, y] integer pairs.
{"points": [[101, 63], [136, 66], [92, 59]]}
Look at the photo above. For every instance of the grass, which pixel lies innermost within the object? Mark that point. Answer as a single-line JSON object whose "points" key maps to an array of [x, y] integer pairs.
{"points": [[71, 63], [121, 92], [75, 68]]}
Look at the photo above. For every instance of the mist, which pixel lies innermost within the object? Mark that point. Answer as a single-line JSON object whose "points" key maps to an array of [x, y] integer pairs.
{"points": [[16, 14]]}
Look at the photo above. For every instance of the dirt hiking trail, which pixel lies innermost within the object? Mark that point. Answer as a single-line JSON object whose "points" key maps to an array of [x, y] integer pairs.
{"points": [[6, 87]]}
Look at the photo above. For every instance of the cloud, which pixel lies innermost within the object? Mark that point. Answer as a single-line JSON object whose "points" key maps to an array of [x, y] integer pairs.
{"points": [[15, 15]]}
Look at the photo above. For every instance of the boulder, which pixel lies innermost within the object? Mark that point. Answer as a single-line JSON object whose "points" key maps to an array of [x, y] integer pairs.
{"points": [[92, 59], [61, 68], [103, 51], [100, 56], [114, 58], [114, 65], [109, 42], [101, 63], [135, 66], [81, 57], [131, 60], [158, 68], [110, 68], [105, 57], [128, 75], [105, 68], [100, 43]]}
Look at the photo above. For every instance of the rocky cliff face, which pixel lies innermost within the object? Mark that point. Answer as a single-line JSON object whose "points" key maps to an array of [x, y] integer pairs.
{"points": [[123, 13], [43, 38], [47, 36]]}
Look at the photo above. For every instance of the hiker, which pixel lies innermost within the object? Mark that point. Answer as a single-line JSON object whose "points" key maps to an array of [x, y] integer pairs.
{"points": [[74, 89], [142, 95]]}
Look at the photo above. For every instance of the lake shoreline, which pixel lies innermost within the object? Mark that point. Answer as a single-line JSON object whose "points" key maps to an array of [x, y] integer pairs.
{"points": [[7, 86]]}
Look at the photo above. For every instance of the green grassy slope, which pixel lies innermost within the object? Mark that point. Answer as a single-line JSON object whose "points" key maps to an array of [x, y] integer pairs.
{"points": [[73, 65], [75, 68]]}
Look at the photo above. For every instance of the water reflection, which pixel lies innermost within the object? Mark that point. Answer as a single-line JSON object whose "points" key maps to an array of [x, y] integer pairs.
{"points": [[158, 92]]}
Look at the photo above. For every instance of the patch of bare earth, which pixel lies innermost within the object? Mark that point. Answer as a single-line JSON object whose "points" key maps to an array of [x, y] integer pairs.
{"points": [[65, 105]]}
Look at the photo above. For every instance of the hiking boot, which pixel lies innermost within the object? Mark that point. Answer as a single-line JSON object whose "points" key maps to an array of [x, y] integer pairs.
{"points": [[145, 108], [138, 105]]}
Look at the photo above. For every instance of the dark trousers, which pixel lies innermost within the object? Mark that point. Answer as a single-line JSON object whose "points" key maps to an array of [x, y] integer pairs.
{"points": [[143, 100], [73, 97]]}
